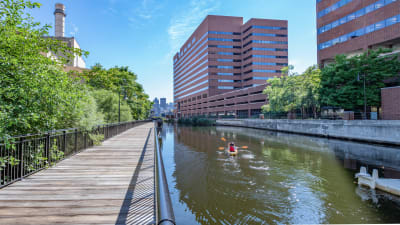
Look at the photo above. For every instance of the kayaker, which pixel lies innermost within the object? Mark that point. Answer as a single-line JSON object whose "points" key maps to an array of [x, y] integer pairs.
{"points": [[232, 147]]}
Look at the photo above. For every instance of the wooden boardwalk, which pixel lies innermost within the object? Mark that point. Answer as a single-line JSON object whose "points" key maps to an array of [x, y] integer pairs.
{"points": [[108, 184]]}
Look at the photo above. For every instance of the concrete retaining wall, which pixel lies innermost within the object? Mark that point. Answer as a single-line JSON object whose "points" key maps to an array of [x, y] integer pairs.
{"points": [[382, 132]]}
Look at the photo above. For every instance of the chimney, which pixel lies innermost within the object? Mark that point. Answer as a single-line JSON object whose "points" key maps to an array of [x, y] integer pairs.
{"points": [[60, 15]]}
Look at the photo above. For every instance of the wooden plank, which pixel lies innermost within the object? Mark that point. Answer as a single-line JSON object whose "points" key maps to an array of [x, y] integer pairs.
{"points": [[108, 184]]}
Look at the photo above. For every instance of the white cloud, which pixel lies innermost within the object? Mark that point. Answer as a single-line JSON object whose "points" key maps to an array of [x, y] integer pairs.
{"points": [[74, 31], [145, 12], [182, 25]]}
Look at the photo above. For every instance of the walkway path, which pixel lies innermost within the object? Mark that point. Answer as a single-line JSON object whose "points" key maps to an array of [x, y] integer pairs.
{"points": [[108, 184]]}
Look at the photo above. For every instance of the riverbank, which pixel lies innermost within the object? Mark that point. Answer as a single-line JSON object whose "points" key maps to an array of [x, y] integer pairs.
{"points": [[377, 132]]}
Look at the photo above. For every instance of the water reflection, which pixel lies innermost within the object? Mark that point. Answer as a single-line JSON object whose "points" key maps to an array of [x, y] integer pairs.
{"points": [[280, 179]]}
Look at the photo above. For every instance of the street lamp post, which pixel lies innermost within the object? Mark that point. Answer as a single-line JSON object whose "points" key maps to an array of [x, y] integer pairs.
{"points": [[365, 96]]}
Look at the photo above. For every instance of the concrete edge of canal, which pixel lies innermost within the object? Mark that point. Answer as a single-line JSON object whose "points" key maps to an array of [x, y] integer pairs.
{"points": [[375, 132]]}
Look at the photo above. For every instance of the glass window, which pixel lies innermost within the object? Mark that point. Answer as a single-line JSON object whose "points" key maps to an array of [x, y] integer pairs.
{"points": [[328, 27], [369, 28], [335, 41], [379, 25], [391, 21], [343, 38], [360, 13], [389, 1], [360, 32], [379, 4], [369, 8], [343, 20], [335, 24], [351, 17]]}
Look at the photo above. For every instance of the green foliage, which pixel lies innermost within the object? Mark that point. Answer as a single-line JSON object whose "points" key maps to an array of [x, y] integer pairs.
{"points": [[294, 92], [96, 138], [55, 154], [118, 81], [107, 103], [342, 81], [36, 94]]}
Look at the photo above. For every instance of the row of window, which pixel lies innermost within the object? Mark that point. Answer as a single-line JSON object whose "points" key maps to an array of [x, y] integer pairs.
{"points": [[225, 53], [190, 64], [224, 39], [265, 64], [190, 77], [227, 60], [225, 67], [225, 87], [333, 7], [191, 82], [377, 5], [257, 78], [265, 56], [226, 74], [192, 93], [181, 53], [224, 46], [265, 35], [262, 71], [193, 50], [360, 32], [190, 88], [222, 32], [265, 49], [265, 28], [193, 69], [265, 42]]}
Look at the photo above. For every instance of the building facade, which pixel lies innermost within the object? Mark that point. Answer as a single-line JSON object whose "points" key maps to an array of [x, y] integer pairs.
{"points": [[224, 58], [77, 63], [353, 26]]}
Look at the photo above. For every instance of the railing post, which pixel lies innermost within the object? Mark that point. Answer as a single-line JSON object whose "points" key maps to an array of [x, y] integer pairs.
{"points": [[84, 140], [64, 141], [47, 148], [22, 158], [76, 140]]}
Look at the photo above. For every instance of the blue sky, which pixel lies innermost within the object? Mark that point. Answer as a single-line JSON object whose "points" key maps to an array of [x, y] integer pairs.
{"points": [[145, 34]]}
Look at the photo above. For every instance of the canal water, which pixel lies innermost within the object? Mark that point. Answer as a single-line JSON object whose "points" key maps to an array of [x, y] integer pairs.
{"points": [[280, 179]]}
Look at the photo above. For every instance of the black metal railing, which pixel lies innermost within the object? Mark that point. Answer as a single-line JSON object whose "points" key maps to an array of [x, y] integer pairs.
{"points": [[22, 156], [165, 212]]}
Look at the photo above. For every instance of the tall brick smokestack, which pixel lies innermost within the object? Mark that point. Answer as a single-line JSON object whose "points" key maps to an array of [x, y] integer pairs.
{"points": [[60, 15]]}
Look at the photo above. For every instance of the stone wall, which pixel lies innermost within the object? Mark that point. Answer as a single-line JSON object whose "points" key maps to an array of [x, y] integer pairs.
{"points": [[382, 132]]}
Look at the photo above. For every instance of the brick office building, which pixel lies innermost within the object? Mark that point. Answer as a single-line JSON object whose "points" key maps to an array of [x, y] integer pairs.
{"points": [[354, 26], [223, 67]]}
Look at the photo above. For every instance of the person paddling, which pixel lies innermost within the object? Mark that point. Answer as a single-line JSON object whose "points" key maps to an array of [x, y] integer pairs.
{"points": [[231, 147]]}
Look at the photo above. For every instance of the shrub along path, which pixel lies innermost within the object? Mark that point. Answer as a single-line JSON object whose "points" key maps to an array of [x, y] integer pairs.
{"points": [[108, 184]]}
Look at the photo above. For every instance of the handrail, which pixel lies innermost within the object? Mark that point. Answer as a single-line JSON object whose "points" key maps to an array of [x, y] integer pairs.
{"points": [[165, 212], [24, 155]]}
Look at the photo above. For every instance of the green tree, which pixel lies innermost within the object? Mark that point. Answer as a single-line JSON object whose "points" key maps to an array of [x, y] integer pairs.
{"points": [[107, 103], [293, 92], [35, 95], [342, 81], [122, 81]]}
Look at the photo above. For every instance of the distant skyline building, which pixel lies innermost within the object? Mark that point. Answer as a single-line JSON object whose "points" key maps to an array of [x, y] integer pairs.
{"points": [[353, 26], [162, 108], [224, 65]]}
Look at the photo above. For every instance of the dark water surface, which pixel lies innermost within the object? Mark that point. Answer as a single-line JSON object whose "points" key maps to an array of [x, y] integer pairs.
{"points": [[279, 179]]}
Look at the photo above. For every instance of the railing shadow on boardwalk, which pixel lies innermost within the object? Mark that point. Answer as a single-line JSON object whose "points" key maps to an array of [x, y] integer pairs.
{"points": [[139, 197]]}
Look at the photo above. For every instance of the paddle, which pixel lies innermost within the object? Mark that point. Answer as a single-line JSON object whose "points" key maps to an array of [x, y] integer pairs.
{"points": [[245, 147], [221, 148]]}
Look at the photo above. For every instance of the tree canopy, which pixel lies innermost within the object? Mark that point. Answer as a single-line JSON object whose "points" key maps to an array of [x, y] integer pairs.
{"points": [[293, 92], [36, 95], [342, 82]]}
